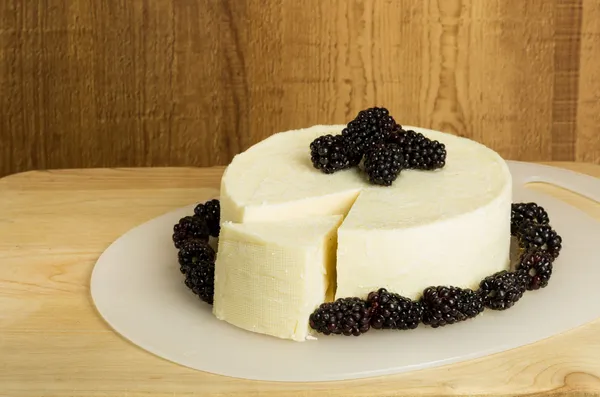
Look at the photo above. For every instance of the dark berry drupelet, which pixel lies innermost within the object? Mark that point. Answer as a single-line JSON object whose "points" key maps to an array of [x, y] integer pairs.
{"points": [[536, 266], [193, 252], [418, 151], [190, 227], [345, 316], [370, 127], [532, 236], [393, 311], [445, 305], [200, 278], [383, 164], [331, 153], [503, 289], [211, 213], [527, 212]]}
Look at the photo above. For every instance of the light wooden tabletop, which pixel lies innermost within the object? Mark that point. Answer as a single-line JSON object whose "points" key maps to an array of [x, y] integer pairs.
{"points": [[55, 224]]}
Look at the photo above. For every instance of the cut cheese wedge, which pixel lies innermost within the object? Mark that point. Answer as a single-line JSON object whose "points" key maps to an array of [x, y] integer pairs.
{"points": [[270, 276]]}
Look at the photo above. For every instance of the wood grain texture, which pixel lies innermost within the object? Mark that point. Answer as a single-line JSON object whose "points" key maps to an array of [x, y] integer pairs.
{"points": [[588, 114], [53, 227], [193, 82]]}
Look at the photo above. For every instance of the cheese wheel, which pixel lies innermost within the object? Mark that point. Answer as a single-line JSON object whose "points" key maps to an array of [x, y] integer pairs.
{"points": [[449, 226]]}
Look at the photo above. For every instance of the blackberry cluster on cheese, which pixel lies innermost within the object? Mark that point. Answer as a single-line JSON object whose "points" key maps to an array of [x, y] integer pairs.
{"points": [[330, 153], [308, 245], [369, 128], [418, 151], [383, 163], [374, 137]]}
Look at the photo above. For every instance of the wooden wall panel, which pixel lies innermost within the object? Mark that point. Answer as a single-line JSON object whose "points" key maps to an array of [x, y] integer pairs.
{"points": [[87, 83], [588, 111]]}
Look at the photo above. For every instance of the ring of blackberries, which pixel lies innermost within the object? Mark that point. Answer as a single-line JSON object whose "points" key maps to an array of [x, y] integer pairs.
{"points": [[437, 306]]}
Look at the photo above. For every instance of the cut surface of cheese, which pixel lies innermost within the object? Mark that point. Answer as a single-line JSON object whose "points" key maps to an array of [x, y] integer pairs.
{"points": [[444, 227], [270, 276]]}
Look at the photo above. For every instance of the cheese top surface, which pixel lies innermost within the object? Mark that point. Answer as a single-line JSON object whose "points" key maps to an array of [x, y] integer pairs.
{"points": [[275, 178]]}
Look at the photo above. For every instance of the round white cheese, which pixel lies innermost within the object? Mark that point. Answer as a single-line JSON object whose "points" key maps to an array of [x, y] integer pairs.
{"points": [[445, 227]]}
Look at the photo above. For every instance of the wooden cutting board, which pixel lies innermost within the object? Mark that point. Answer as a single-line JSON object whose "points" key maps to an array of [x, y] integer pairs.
{"points": [[55, 224]]}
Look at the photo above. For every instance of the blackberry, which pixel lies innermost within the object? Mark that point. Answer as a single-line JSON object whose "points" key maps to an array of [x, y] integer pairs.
{"points": [[211, 213], [383, 164], [537, 268], [190, 227], [193, 252], [419, 152], [503, 289], [331, 153], [531, 212], [542, 237], [200, 278], [370, 127], [347, 316], [393, 311], [444, 305]]}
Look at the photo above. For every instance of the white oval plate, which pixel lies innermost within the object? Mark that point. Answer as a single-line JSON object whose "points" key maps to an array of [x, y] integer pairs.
{"points": [[138, 289]]}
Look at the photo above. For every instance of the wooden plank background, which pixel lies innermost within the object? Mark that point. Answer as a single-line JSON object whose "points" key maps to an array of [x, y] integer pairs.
{"points": [[88, 83]]}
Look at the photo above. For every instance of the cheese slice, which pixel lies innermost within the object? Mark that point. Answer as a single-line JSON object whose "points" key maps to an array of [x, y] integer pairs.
{"points": [[270, 276]]}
